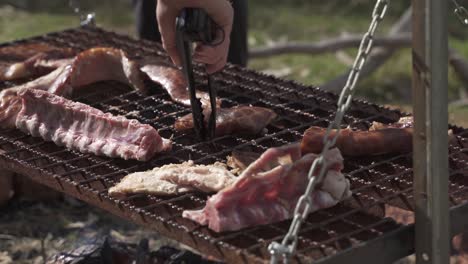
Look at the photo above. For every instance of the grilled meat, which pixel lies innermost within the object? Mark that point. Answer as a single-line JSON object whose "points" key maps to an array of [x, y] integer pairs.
{"points": [[37, 65], [262, 195], [144, 183], [90, 66], [79, 126], [235, 120], [113, 60], [404, 122], [380, 139], [21, 52], [360, 143], [173, 81], [175, 179]]}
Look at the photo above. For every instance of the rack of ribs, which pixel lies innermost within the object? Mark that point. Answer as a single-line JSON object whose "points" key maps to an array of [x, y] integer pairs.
{"points": [[84, 128]]}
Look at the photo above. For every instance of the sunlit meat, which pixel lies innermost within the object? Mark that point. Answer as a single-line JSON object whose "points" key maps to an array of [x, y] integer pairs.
{"points": [[236, 120], [264, 194], [104, 64], [173, 81], [84, 128], [175, 179], [37, 65], [90, 66], [360, 143]]}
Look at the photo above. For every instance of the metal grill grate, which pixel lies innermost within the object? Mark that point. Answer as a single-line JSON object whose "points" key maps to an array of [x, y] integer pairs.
{"points": [[376, 181]]}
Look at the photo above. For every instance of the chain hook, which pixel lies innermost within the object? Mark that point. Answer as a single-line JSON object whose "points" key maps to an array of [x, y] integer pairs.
{"points": [[461, 13], [288, 245], [88, 19]]}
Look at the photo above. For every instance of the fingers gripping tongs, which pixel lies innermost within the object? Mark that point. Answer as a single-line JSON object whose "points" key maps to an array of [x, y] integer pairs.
{"points": [[194, 25]]}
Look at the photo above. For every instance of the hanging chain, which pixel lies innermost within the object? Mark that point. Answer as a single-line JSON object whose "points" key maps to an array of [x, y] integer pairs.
{"points": [[85, 19], [288, 246], [461, 13]]}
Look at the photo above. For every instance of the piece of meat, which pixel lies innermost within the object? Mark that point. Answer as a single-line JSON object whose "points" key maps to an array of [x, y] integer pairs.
{"points": [[403, 122], [360, 143], [90, 66], [175, 179], [380, 139], [236, 120], [99, 64], [262, 195], [25, 51], [37, 65], [173, 81], [87, 129], [240, 160], [143, 183]]}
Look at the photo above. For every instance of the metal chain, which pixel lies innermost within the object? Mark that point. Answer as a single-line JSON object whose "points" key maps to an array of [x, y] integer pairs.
{"points": [[461, 13], [85, 19], [288, 246]]}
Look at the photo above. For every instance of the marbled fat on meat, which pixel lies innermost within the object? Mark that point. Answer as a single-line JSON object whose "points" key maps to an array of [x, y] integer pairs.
{"points": [[84, 128]]}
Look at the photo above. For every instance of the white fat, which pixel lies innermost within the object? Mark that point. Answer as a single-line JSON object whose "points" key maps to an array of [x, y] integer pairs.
{"points": [[175, 178]]}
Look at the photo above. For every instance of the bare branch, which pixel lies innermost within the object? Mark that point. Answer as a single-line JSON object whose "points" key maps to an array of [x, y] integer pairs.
{"points": [[378, 57], [329, 45]]}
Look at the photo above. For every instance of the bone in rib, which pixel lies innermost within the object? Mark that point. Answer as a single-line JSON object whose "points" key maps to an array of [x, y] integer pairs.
{"points": [[84, 128], [175, 179], [266, 193], [235, 120]]}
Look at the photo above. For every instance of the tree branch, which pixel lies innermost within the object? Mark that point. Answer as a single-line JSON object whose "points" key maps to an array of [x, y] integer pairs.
{"points": [[378, 57], [329, 45]]}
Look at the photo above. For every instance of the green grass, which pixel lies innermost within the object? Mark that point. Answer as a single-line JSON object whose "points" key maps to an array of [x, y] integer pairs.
{"points": [[17, 24], [458, 115]]}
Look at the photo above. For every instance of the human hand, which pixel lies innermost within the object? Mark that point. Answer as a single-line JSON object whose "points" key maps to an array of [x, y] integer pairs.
{"points": [[220, 11]]}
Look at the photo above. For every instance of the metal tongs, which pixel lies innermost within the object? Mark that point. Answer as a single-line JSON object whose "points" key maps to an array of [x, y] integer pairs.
{"points": [[194, 25]]}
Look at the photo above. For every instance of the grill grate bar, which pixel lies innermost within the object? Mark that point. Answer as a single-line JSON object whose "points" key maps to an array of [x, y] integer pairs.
{"points": [[375, 181]]}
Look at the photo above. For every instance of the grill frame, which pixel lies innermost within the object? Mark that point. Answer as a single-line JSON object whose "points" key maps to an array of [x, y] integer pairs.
{"points": [[375, 188]]}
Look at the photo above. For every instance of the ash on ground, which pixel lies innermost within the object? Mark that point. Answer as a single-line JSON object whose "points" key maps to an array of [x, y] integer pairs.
{"points": [[34, 232]]}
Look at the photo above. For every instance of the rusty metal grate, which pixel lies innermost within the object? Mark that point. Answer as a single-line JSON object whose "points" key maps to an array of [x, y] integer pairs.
{"points": [[376, 181]]}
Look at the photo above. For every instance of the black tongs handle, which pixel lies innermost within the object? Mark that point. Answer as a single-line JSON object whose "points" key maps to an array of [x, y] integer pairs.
{"points": [[194, 25]]}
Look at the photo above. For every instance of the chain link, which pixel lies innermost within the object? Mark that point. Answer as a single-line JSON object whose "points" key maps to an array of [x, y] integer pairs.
{"points": [[288, 246], [461, 13], [85, 19]]}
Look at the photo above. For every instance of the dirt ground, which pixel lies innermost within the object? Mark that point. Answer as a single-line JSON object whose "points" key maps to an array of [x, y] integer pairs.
{"points": [[32, 232]]}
